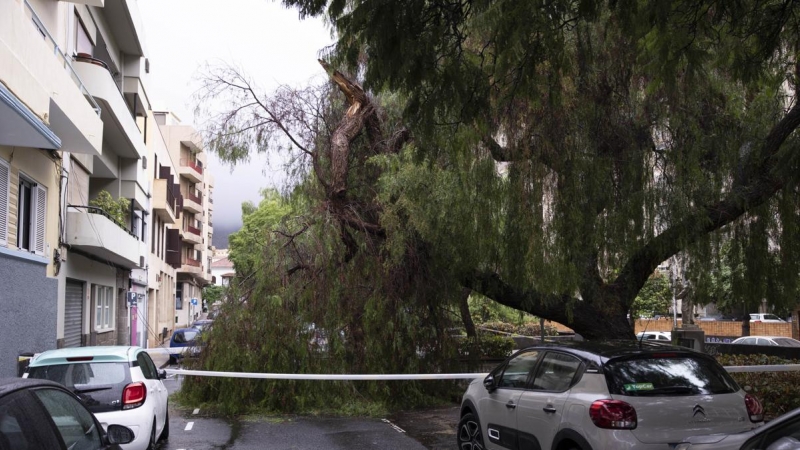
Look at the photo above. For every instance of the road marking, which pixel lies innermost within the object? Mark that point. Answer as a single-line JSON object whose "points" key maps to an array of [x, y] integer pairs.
{"points": [[396, 428], [189, 426], [196, 411]]}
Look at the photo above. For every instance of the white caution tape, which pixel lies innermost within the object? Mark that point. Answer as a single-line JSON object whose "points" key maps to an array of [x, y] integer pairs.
{"points": [[772, 368]]}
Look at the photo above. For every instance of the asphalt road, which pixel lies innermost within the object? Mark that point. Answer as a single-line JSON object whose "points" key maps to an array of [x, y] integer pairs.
{"points": [[419, 430]]}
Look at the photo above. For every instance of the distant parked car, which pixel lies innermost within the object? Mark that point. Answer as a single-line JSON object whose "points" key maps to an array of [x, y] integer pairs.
{"points": [[40, 414], [202, 324], [782, 433], [183, 341], [603, 395], [664, 336], [120, 385], [768, 318], [778, 341]]}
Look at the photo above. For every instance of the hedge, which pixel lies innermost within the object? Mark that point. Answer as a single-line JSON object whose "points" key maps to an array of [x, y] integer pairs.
{"points": [[779, 392]]}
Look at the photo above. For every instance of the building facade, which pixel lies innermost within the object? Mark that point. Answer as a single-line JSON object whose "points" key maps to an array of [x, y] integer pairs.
{"points": [[95, 245]]}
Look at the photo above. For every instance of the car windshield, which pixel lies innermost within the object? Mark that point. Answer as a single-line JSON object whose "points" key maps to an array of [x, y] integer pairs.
{"points": [[99, 385], [667, 374]]}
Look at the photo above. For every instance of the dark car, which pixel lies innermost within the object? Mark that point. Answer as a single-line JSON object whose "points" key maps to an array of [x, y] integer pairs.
{"points": [[183, 342], [40, 414]]}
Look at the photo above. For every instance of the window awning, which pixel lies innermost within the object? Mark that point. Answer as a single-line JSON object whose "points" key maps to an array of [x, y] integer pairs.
{"points": [[19, 127]]}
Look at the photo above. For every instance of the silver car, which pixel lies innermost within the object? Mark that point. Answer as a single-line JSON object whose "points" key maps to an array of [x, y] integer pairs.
{"points": [[596, 396], [782, 433]]}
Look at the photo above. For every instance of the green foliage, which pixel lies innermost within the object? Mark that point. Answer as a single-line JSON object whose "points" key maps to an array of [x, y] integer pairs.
{"points": [[654, 298], [779, 392], [257, 224], [118, 209], [213, 293], [490, 346]]}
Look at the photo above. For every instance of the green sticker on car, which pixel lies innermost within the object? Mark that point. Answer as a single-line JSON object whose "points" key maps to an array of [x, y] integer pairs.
{"points": [[639, 387]]}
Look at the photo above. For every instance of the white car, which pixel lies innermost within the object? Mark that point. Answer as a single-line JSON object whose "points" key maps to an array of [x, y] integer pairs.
{"points": [[782, 433], [777, 341], [662, 336], [596, 395], [120, 385], [768, 318]]}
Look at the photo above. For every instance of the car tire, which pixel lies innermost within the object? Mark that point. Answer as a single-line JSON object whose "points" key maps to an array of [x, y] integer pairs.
{"points": [[469, 435], [152, 444], [165, 431]]}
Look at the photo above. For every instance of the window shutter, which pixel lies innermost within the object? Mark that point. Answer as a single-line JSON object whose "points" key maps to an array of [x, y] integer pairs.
{"points": [[39, 223], [5, 188]]}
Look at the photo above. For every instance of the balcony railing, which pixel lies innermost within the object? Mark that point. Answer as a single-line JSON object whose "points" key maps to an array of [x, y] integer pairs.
{"points": [[196, 165], [192, 262], [65, 61], [193, 230], [195, 196], [102, 212]]}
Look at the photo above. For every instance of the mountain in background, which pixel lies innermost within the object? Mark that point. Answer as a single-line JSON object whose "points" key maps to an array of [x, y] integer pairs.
{"points": [[221, 232]]}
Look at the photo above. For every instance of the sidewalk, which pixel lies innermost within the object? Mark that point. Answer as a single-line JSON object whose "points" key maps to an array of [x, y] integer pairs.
{"points": [[160, 356]]}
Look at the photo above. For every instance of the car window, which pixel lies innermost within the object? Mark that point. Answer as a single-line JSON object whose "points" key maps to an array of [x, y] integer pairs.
{"points": [[515, 374], [23, 425], [790, 428], [668, 374], [147, 366], [98, 385], [74, 422], [748, 341], [786, 342], [771, 317], [556, 372], [182, 337]]}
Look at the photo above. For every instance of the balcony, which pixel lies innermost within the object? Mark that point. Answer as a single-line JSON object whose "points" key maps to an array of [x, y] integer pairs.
{"points": [[193, 235], [125, 23], [164, 201], [192, 266], [193, 201], [90, 230], [193, 170], [41, 77], [119, 127]]}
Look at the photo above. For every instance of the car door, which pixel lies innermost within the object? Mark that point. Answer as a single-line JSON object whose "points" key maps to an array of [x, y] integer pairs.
{"points": [[540, 408], [497, 408], [76, 425], [155, 388]]}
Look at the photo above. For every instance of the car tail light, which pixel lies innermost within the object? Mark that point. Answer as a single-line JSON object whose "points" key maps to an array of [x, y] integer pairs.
{"points": [[80, 358], [613, 414], [754, 408], [133, 395]]}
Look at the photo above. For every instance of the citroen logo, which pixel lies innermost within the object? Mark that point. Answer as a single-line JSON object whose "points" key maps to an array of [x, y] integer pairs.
{"points": [[698, 410]]}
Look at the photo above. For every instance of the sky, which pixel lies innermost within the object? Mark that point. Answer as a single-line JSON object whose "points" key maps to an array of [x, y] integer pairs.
{"points": [[270, 43]]}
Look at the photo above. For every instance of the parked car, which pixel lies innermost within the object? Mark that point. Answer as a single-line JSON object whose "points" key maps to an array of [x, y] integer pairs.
{"points": [[603, 395], [39, 414], [183, 342], [762, 317], [783, 433], [664, 336], [119, 384], [202, 324], [779, 341]]}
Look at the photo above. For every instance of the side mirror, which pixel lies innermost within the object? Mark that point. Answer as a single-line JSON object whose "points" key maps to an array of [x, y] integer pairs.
{"points": [[488, 383], [162, 374], [117, 434], [785, 443]]}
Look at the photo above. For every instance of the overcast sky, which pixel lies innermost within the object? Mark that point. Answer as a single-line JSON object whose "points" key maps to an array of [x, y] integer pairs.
{"points": [[267, 41]]}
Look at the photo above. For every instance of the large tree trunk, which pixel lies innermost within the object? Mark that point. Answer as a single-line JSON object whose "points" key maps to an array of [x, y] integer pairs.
{"points": [[466, 317]]}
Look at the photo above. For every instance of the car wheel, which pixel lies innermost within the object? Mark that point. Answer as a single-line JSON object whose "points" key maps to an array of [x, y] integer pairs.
{"points": [[152, 444], [469, 436], [165, 431]]}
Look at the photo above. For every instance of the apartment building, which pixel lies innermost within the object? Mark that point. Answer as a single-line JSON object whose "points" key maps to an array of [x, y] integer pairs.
{"points": [[191, 236], [91, 196]]}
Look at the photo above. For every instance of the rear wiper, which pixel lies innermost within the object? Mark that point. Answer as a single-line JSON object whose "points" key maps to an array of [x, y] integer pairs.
{"points": [[93, 389], [668, 390]]}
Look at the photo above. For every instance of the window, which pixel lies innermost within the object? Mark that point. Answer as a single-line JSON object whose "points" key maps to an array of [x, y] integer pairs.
{"points": [[82, 42], [75, 423], [5, 195], [556, 372], [179, 296], [146, 365], [515, 375], [667, 374], [31, 209], [23, 424], [104, 308]]}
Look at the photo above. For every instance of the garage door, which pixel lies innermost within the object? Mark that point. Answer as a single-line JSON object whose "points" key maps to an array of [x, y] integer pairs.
{"points": [[73, 317]]}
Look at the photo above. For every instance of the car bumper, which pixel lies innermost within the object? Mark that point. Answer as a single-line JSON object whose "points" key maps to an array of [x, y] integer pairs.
{"points": [[140, 422]]}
